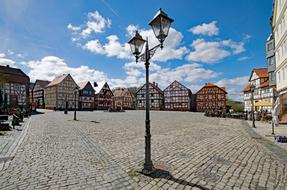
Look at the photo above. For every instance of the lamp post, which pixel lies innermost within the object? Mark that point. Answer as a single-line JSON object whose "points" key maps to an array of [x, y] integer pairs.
{"points": [[75, 103], [272, 122], [160, 25], [252, 105], [275, 111]]}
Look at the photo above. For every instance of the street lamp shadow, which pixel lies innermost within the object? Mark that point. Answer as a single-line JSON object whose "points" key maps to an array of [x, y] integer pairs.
{"points": [[164, 174]]}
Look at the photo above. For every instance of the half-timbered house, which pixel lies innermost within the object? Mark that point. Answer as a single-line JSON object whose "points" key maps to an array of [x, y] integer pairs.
{"points": [[86, 96], [211, 97], [38, 93], [103, 96], [177, 97], [123, 99], [31, 85], [155, 94], [60, 93], [263, 92], [14, 86]]}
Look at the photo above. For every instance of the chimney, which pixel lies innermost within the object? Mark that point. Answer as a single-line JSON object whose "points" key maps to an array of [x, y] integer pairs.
{"points": [[8, 66], [153, 83], [156, 84]]}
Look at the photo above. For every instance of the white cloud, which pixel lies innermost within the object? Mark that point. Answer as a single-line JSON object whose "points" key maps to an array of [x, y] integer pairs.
{"points": [[171, 50], [214, 51], [237, 47], [141, 65], [5, 61], [186, 73], [112, 48], [131, 29], [45, 69], [207, 52], [234, 86], [209, 29], [243, 58], [73, 28], [2, 55], [96, 23]]}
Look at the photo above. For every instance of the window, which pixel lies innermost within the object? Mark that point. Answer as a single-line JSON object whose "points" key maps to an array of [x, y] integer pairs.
{"points": [[272, 76], [270, 47], [270, 60]]}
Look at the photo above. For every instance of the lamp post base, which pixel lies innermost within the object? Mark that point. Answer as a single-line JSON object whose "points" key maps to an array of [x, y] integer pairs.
{"points": [[148, 169]]}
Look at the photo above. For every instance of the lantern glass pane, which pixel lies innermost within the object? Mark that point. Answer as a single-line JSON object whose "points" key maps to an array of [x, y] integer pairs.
{"points": [[136, 45], [165, 25], [156, 26]]}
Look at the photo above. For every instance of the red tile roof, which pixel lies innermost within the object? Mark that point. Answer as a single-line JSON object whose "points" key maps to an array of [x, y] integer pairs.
{"points": [[122, 92], [57, 80], [261, 72], [247, 88], [264, 84], [207, 85]]}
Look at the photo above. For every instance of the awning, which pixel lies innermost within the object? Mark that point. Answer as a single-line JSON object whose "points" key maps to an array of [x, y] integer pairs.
{"points": [[263, 104]]}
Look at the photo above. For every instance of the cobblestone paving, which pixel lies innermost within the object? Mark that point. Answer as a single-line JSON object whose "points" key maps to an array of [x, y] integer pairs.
{"points": [[105, 150]]}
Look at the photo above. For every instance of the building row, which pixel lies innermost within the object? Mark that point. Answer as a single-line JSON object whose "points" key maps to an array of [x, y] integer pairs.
{"points": [[63, 92], [271, 82], [279, 46]]}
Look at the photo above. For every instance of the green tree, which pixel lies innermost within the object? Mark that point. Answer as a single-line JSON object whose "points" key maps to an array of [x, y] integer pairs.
{"points": [[236, 106]]}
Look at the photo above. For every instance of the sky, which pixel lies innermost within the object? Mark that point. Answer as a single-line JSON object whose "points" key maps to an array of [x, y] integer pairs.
{"points": [[209, 41]]}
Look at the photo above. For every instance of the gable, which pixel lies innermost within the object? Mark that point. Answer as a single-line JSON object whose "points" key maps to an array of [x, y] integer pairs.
{"points": [[89, 87], [176, 86], [37, 86], [105, 87], [207, 90], [254, 76]]}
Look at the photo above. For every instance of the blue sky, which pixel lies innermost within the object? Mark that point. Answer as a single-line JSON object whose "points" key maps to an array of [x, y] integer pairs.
{"points": [[210, 40]]}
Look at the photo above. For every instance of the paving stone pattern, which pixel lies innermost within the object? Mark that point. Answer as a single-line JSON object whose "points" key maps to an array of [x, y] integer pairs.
{"points": [[106, 150]]}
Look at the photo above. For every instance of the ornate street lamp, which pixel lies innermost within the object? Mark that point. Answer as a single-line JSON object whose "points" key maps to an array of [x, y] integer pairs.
{"points": [[160, 25], [252, 88]]}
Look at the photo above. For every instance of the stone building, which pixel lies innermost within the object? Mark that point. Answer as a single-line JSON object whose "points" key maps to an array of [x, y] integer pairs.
{"points": [[177, 97], [14, 85], [270, 59], [211, 97], [86, 96], [60, 93], [263, 93], [38, 93], [279, 30], [103, 96], [123, 99], [155, 94]]}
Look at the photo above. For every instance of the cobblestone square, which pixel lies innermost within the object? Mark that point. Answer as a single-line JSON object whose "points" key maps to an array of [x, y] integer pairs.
{"points": [[105, 150]]}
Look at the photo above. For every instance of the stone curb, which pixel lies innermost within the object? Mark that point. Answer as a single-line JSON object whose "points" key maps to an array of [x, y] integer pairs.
{"points": [[14, 147]]}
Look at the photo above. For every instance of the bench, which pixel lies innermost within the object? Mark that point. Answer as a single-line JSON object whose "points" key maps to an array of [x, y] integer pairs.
{"points": [[4, 123]]}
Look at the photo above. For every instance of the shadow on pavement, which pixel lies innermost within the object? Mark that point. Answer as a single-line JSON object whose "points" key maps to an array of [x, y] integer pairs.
{"points": [[159, 173], [36, 113]]}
